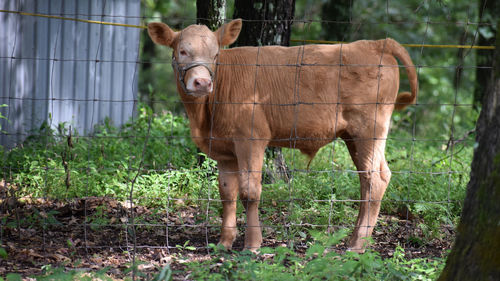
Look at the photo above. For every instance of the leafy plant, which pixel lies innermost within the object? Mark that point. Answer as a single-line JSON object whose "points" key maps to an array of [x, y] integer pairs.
{"points": [[3, 253], [185, 246], [318, 263]]}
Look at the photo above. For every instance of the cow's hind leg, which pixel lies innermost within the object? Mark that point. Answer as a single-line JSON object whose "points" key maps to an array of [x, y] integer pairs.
{"points": [[228, 189], [374, 175], [250, 156]]}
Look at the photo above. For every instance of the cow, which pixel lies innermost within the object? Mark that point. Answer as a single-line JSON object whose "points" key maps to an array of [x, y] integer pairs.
{"points": [[241, 100]]}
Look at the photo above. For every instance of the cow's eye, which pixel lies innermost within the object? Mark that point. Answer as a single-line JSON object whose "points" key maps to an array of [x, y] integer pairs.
{"points": [[183, 53]]}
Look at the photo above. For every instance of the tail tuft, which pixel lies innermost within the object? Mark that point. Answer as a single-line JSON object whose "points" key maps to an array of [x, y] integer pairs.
{"points": [[403, 100]]}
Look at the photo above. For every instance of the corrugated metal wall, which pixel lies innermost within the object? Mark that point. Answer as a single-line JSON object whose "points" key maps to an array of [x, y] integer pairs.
{"points": [[65, 71]]}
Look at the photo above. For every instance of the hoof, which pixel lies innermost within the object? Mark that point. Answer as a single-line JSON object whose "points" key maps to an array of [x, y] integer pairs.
{"points": [[356, 250], [255, 250], [226, 246]]}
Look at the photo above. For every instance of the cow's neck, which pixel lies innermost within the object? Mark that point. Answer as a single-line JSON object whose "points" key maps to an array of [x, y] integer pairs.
{"points": [[198, 113]]}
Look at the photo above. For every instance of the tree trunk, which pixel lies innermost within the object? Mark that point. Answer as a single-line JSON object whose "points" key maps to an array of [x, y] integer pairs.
{"points": [[337, 16], [488, 12], [476, 253], [265, 22], [211, 13]]}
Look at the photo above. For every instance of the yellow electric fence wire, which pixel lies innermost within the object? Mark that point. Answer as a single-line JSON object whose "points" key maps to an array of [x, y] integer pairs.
{"points": [[73, 19], [406, 45], [292, 40]]}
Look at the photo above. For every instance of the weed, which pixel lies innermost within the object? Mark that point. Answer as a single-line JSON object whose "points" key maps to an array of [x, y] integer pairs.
{"points": [[99, 218], [185, 246]]}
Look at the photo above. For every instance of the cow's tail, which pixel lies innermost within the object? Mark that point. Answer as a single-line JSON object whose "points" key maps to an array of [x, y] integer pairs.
{"points": [[405, 98]]}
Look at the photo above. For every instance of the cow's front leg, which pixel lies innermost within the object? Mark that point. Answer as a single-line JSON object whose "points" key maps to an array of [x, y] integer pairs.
{"points": [[250, 157], [228, 189]]}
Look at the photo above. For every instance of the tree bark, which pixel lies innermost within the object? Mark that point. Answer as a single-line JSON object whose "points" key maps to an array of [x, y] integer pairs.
{"points": [[488, 12], [476, 253], [266, 22], [211, 13]]}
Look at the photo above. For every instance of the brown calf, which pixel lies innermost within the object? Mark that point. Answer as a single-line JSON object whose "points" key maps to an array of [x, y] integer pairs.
{"points": [[241, 100]]}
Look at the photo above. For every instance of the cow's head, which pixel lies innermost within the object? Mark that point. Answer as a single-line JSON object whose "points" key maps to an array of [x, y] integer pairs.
{"points": [[195, 52]]}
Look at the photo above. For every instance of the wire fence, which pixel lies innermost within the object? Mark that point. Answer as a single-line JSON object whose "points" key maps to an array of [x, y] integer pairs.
{"points": [[128, 186]]}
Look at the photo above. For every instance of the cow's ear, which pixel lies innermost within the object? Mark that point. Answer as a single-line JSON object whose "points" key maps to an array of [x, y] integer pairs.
{"points": [[161, 33], [228, 33]]}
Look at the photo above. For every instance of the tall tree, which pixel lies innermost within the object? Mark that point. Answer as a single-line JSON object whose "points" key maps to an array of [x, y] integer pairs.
{"points": [[265, 22], [336, 17], [211, 12], [488, 13], [476, 253]]}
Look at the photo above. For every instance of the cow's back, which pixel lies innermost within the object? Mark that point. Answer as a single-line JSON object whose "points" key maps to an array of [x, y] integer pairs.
{"points": [[292, 95]]}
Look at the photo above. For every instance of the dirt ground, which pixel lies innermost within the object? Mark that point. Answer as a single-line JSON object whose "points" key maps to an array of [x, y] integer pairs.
{"points": [[95, 233]]}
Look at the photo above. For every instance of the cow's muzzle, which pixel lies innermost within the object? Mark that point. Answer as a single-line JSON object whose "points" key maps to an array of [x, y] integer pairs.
{"points": [[181, 70]]}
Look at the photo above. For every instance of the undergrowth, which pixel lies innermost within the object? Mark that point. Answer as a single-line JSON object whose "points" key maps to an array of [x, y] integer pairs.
{"points": [[154, 155], [318, 263], [58, 164]]}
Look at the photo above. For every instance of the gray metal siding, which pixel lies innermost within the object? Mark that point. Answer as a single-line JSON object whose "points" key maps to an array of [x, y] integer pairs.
{"points": [[65, 71]]}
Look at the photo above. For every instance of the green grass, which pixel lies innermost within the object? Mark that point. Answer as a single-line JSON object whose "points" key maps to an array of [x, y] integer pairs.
{"points": [[106, 163]]}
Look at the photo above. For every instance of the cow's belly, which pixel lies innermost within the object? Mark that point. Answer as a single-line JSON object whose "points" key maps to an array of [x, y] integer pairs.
{"points": [[309, 134]]}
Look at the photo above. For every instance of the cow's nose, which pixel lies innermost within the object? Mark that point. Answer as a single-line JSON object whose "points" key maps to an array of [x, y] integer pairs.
{"points": [[203, 84]]}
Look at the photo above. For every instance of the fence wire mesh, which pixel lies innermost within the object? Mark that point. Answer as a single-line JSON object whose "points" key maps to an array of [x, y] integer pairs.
{"points": [[133, 189]]}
